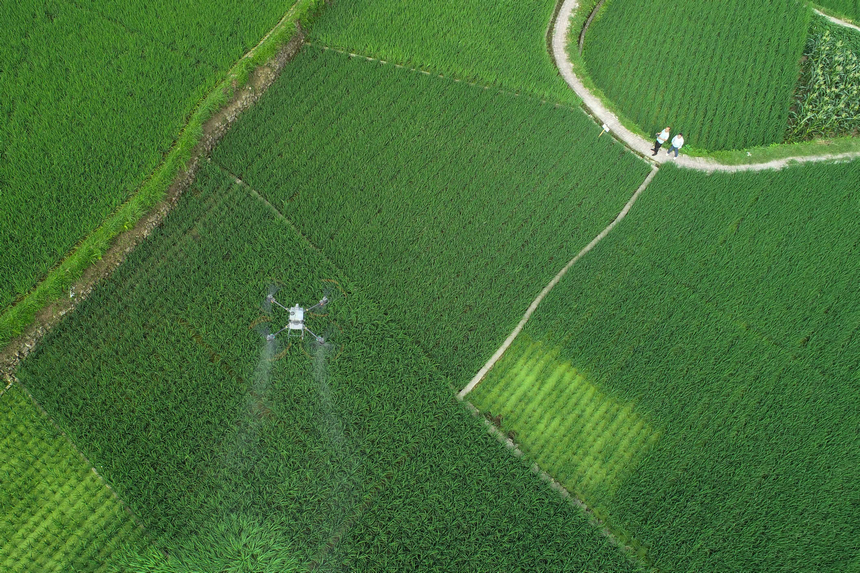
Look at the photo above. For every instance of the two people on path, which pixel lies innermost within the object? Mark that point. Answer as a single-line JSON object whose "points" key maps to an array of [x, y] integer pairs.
{"points": [[663, 137]]}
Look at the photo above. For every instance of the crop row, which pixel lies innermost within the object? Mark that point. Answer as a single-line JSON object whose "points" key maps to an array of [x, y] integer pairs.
{"points": [[724, 77], [58, 515], [359, 458], [92, 96], [728, 313], [450, 204], [502, 44]]}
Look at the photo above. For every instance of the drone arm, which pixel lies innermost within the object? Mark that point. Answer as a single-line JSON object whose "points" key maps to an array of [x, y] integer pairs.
{"points": [[280, 331], [319, 338], [321, 303]]}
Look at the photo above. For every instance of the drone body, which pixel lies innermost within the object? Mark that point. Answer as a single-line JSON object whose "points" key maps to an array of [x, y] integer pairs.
{"points": [[296, 325]]}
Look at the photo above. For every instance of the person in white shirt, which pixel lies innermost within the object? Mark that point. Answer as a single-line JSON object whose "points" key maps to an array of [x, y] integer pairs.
{"points": [[662, 137], [677, 143]]}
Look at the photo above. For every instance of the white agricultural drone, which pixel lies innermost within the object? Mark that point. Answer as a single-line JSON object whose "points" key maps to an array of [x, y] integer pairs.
{"points": [[296, 326]]}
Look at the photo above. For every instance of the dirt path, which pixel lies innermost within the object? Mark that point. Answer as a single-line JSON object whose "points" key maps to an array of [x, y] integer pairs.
{"points": [[634, 141], [836, 21], [498, 354]]}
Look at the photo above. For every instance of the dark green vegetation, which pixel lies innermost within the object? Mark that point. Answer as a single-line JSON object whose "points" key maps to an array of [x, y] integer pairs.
{"points": [[355, 456], [449, 204], [726, 311], [501, 42], [845, 8], [92, 97], [723, 76], [828, 97], [57, 514]]}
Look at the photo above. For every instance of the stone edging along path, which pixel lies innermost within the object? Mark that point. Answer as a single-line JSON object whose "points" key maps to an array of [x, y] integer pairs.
{"points": [[637, 143]]}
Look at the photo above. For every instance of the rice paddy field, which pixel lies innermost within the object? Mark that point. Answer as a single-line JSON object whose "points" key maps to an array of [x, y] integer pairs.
{"points": [[706, 402], [693, 380], [350, 455], [452, 254], [724, 77], [93, 95]]}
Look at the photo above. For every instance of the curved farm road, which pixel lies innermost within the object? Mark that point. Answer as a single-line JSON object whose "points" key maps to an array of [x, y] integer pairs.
{"points": [[635, 142]]}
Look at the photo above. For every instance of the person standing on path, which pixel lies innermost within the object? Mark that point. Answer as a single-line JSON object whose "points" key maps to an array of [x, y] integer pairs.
{"points": [[677, 143], [662, 137]]}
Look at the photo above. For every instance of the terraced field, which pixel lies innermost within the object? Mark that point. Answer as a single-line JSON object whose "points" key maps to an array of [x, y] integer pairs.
{"points": [[366, 174], [584, 437], [93, 96]]}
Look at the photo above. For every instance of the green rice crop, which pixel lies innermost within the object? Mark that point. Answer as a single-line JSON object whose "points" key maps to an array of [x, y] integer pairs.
{"points": [[360, 459], [451, 204], [57, 513], [500, 43], [728, 312], [724, 76], [828, 98], [93, 96]]}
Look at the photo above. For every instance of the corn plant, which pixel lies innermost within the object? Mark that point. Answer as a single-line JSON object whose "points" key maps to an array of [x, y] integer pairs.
{"points": [[828, 98]]}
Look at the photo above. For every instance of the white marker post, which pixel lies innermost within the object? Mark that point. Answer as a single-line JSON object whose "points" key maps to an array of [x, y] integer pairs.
{"points": [[605, 130]]}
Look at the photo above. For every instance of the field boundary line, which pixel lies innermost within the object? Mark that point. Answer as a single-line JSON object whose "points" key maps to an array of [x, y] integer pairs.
{"points": [[85, 459], [558, 487], [259, 197], [641, 146], [449, 78], [512, 336]]}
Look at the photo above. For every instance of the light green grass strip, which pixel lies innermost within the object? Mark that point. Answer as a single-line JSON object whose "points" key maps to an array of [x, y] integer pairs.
{"points": [[585, 438], [58, 515], [154, 189]]}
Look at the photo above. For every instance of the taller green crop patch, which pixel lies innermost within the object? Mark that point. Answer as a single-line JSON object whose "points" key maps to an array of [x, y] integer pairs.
{"points": [[451, 204], [501, 43], [721, 74], [728, 312], [238, 454]]}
